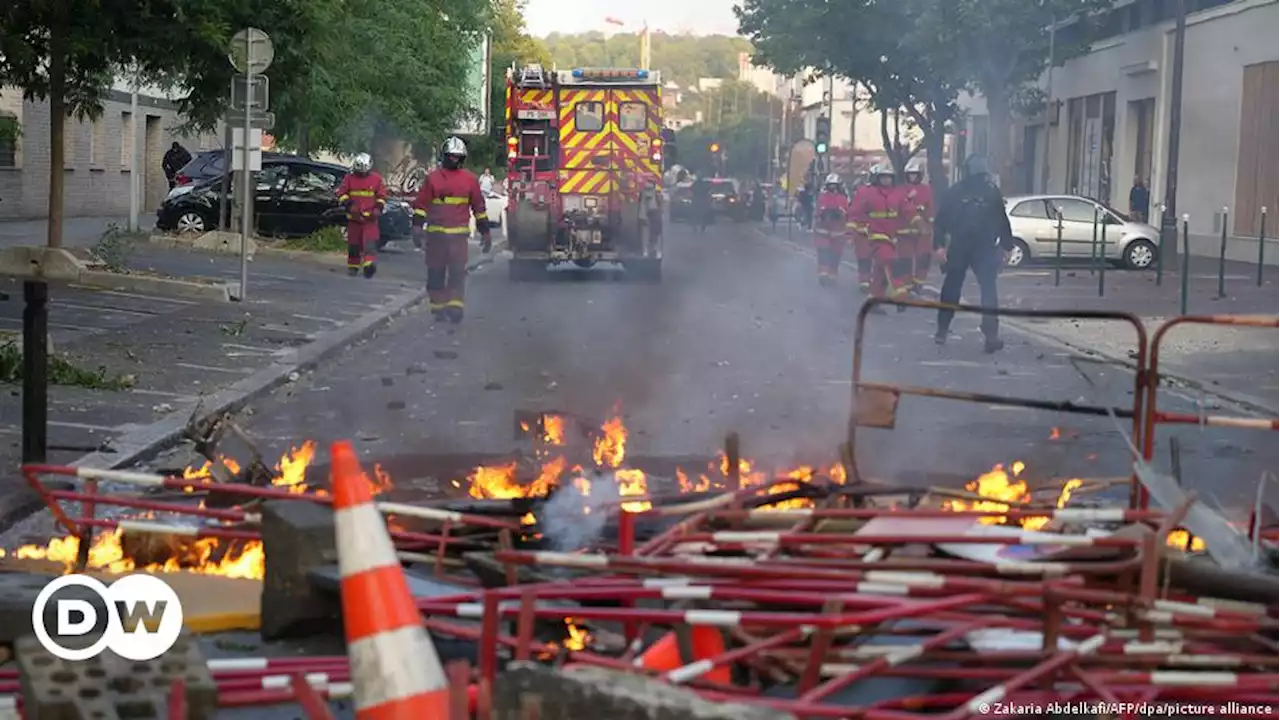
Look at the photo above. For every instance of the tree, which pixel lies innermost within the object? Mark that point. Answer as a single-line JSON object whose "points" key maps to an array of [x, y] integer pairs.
{"points": [[871, 43], [1000, 45], [736, 117]]}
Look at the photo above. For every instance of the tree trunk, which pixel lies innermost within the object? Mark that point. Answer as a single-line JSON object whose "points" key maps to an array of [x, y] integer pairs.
{"points": [[886, 140], [933, 147], [303, 140], [57, 121], [998, 130]]}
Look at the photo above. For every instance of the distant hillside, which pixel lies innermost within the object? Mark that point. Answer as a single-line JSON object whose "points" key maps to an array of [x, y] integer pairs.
{"points": [[682, 58]]}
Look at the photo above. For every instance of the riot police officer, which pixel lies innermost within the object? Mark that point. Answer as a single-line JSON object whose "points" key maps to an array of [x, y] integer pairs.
{"points": [[971, 232]]}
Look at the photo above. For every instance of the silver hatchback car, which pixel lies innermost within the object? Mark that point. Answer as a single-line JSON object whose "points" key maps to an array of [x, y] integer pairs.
{"points": [[1037, 219]]}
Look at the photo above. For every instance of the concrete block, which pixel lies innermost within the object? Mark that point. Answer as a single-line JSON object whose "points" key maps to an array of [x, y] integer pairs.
{"points": [[153, 285], [109, 687], [18, 592], [297, 538], [530, 690], [40, 262]]}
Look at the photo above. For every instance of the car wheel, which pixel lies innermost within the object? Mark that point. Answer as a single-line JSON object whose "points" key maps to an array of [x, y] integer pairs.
{"points": [[1140, 255], [1019, 255], [191, 221]]}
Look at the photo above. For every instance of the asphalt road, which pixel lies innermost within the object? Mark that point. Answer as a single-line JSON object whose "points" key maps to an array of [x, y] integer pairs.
{"points": [[738, 337]]}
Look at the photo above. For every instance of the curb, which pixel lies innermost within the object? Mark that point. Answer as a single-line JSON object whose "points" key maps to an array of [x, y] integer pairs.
{"points": [[1245, 401], [145, 442]]}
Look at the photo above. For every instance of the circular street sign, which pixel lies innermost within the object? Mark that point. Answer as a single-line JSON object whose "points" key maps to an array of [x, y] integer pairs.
{"points": [[251, 51]]}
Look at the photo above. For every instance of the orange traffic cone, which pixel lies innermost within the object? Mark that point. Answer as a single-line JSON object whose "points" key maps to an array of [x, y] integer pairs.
{"points": [[704, 643], [394, 667]]}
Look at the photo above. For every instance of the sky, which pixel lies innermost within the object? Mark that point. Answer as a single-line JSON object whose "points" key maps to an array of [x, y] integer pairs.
{"points": [[700, 17]]}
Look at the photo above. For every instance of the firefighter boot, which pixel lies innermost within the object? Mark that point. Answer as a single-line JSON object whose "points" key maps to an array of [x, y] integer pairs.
{"points": [[353, 271], [454, 314], [370, 269]]}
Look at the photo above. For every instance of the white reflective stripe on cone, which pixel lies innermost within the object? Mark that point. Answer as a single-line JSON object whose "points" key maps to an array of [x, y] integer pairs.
{"points": [[395, 665], [363, 543]]}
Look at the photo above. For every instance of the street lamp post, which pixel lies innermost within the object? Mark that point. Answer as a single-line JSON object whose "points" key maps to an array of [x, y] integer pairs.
{"points": [[1169, 217]]}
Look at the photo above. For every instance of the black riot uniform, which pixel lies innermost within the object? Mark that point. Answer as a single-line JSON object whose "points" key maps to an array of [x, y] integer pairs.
{"points": [[973, 227]]}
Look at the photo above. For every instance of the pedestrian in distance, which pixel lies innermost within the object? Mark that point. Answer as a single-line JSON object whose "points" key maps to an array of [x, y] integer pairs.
{"points": [[972, 232], [449, 198], [486, 181], [1139, 200], [174, 160], [364, 195], [701, 200]]}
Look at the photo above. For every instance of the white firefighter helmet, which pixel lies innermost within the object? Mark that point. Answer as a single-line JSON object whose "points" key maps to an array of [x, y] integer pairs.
{"points": [[880, 170], [833, 179], [362, 163], [915, 167], [453, 145]]}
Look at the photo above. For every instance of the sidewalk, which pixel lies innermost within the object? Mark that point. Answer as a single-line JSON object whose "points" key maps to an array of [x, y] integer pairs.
{"points": [[170, 353], [1233, 363]]}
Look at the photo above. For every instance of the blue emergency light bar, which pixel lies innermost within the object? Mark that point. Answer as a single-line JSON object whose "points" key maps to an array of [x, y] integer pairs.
{"points": [[602, 74]]}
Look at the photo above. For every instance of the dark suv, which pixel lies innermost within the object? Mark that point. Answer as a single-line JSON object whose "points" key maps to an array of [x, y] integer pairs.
{"points": [[295, 196]]}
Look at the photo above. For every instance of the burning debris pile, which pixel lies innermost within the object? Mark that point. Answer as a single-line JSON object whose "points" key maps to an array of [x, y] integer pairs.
{"points": [[794, 590]]}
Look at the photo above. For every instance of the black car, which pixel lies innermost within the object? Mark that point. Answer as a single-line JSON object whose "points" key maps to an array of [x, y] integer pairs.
{"points": [[295, 196], [210, 164], [725, 198]]}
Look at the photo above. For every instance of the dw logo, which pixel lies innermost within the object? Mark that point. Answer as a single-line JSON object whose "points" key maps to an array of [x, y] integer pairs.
{"points": [[138, 617]]}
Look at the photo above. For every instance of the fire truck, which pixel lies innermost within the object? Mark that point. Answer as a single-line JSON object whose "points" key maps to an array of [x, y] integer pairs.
{"points": [[584, 170]]}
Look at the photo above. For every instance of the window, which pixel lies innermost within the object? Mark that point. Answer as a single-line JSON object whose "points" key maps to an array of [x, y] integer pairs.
{"points": [[272, 177], [588, 116], [126, 139], [633, 117], [97, 142], [1076, 210], [312, 181], [8, 141], [1033, 209]]}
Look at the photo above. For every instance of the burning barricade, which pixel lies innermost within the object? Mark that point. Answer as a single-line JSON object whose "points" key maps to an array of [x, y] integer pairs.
{"points": [[793, 592]]}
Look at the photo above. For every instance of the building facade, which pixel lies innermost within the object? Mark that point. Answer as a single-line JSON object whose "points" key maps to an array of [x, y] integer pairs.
{"points": [[1108, 119], [98, 154]]}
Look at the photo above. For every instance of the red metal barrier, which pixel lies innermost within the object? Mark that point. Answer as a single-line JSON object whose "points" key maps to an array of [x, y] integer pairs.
{"points": [[886, 395], [213, 522], [1153, 415]]}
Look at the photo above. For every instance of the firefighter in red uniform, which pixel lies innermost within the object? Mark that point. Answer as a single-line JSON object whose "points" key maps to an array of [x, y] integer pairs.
{"points": [[830, 229], [919, 202], [442, 209], [877, 212], [861, 245], [364, 196]]}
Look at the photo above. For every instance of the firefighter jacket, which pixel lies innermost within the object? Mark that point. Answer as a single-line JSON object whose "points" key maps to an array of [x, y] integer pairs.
{"points": [[917, 209], [447, 200], [854, 225], [833, 213], [364, 195], [876, 210]]}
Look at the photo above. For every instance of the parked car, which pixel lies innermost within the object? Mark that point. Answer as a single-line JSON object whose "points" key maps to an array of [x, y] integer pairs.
{"points": [[726, 198], [209, 164], [295, 196], [1036, 220]]}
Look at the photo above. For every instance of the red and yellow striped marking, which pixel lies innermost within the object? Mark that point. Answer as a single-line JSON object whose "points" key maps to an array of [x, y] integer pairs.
{"points": [[627, 151], [394, 667]]}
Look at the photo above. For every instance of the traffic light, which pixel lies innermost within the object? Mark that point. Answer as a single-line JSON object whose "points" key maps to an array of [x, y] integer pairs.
{"points": [[670, 155], [822, 134], [714, 148]]}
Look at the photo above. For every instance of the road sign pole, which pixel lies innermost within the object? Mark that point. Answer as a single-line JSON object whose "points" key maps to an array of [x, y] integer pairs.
{"points": [[257, 57]]}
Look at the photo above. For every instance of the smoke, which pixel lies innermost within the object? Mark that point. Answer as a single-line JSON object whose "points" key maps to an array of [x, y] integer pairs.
{"points": [[574, 516]]}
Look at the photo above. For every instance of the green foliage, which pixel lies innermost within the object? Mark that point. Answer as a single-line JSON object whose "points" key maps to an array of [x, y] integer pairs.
{"points": [[736, 117], [682, 58], [116, 246], [61, 371], [326, 239]]}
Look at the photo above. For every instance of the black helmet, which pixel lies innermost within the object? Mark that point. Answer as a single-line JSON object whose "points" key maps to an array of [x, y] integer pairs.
{"points": [[976, 165]]}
